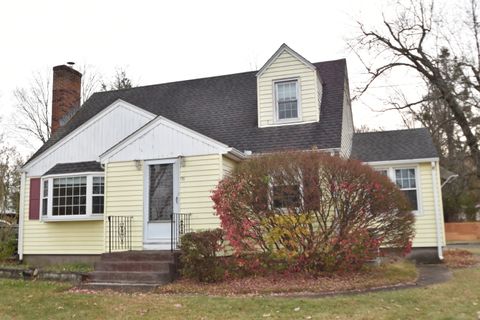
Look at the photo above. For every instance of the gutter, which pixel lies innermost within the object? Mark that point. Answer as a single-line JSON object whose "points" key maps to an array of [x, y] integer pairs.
{"points": [[21, 215], [438, 217], [236, 154]]}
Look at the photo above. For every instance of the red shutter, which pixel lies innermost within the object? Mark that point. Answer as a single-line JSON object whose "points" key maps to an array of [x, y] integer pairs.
{"points": [[34, 212]]}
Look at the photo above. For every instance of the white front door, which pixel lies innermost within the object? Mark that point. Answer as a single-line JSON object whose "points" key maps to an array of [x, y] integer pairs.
{"points": [[161, 201]]}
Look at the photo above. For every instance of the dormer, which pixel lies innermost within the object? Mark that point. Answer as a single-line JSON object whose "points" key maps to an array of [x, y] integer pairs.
{"points": [[289, 90]]}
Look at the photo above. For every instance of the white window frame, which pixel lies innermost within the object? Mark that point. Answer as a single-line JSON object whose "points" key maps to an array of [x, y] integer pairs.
{"points": [[391, 175], [42, 187], [86, 217], [299, 102]]}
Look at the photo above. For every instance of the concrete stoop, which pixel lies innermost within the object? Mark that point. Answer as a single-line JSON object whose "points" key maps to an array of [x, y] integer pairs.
{"points": [[133, 271]]}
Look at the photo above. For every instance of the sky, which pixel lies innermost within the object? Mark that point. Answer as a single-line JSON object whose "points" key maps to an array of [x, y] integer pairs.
{"points": [[163, 41]]}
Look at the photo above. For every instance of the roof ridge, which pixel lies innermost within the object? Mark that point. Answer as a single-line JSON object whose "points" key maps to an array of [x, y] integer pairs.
{"points": [[176, 82], [203, 78], [394, 130]]}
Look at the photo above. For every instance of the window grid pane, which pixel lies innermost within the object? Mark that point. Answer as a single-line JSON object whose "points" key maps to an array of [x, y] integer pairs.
{"points": [[69, 196], [98, 189], [287, 102], [406, 181], [286, 196]]}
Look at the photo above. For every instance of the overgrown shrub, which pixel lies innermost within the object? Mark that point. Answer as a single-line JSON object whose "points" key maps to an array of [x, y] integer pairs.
{"points": [[199, 255], [314, 211], [8, 241]]}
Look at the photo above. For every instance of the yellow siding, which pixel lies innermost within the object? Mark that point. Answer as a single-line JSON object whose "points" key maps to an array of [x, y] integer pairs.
{"points": [[227, 166], [70, 237], [425, 222], [124, 197], [288, 66], [199, 175]]}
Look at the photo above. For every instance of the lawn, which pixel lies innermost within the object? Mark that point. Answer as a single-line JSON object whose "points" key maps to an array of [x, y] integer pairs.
{"points": [[457, 299]]}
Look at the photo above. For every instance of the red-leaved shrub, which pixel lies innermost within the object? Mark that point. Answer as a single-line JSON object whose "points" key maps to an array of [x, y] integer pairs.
{"points": [[311, 211]]}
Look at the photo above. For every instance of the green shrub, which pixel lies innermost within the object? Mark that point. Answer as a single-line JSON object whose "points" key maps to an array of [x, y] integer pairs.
{"points": [[199, 256], [8, 242]]}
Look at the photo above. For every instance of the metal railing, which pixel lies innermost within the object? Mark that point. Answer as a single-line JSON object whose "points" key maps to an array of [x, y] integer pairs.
{"points": [[119, 233], [179, 224]]}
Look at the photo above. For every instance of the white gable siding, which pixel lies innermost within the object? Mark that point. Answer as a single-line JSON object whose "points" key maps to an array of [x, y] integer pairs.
{"points": [[283, 67], [164, 139], [93, 138], [347, 123]]}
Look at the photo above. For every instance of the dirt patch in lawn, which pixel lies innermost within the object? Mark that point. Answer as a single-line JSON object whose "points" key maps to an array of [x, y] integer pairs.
{"points": [[459, 258], [369, 278]]}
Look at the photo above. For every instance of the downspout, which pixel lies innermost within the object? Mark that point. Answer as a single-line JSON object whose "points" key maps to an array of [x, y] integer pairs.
{"points": [[438, 218], [21, 215]]}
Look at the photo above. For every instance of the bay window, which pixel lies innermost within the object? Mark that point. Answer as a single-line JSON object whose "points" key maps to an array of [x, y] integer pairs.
{"points": [[72, 197]]}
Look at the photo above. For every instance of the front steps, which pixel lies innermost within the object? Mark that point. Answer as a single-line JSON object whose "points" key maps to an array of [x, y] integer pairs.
{"points": [[133, 271]]}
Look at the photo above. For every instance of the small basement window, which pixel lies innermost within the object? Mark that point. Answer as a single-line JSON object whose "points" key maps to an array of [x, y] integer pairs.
{"points": [[72, 197], [286, 100]]}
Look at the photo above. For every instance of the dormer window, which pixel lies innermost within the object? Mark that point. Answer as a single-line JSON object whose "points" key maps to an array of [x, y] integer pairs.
{"points": [[287, 100]]}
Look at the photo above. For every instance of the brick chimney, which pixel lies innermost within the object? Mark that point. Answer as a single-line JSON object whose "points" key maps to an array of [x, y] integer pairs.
{"points": [[66, 94]]}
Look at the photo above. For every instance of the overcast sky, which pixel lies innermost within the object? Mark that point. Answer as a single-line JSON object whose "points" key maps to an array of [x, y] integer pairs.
{"points": [[163, 41]]}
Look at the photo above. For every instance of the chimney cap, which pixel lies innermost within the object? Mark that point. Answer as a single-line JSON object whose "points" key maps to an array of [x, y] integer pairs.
{"points": [[66, 68]]}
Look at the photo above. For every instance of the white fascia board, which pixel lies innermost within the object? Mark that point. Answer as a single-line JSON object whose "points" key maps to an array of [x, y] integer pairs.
{"points": [[172, 124], [74, 174], [400, 162], [117, 103], [236, 155], [280, 50]]}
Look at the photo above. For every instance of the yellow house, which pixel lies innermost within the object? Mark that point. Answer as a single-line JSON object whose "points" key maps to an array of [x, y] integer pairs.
{"points": [[133, 169]]}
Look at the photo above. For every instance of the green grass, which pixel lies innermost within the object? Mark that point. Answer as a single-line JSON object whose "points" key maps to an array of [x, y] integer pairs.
{"points": [[64, 267], [456, 299], [69, 267]]}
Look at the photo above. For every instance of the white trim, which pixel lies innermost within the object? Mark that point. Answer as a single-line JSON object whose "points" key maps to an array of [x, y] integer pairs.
{"points": [[277, 53], [152, 124], [75, 174], [93, 217], [85, 125], [400, 162], [151, 244], [438, 216], [21, 218], [277, 119], [288, 123], [235, 154]]}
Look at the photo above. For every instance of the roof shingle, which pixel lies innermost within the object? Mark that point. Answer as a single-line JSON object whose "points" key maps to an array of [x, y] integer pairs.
{"points": [[393, 145], [225, 108], [76, 167]]}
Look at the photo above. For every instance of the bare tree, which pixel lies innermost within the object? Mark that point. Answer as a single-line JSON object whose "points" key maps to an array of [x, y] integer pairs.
{"points": [[120, 81], [91, 81], [10, 163], [32, 116], [414, 40]]}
